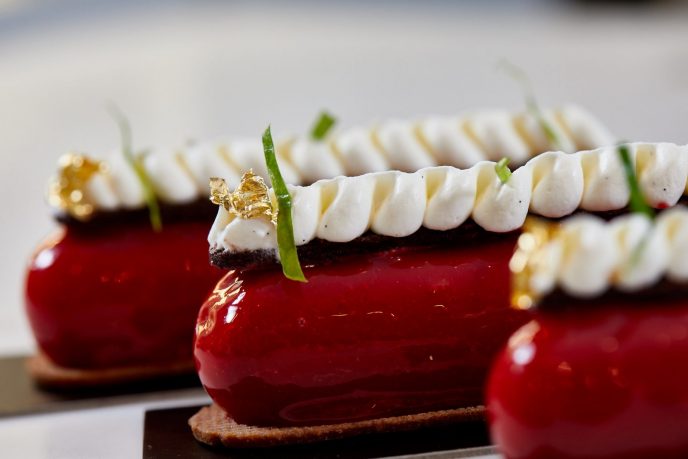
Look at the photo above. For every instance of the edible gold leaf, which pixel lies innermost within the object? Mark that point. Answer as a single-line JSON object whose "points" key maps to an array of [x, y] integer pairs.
{"points": [[528, 259], [66, 190], [219, 193], [250, 199]]}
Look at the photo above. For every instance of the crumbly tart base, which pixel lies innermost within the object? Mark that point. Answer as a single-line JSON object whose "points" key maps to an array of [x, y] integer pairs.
{"points": [[212, 426], [50, 375]]}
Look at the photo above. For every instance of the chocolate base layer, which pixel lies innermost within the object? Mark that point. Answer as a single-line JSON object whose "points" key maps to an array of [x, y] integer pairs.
{"points": [[198, 210]]}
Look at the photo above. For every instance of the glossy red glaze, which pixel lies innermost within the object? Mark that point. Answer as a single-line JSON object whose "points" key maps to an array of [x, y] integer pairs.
{"points": [[403, 331], [119, 296], [608, 381]]}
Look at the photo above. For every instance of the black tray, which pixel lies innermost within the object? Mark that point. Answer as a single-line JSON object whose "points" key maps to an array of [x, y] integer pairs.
{"points": [[20, 396], [167, 435]]}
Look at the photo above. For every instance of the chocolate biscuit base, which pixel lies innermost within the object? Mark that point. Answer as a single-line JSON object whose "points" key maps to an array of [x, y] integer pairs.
{"points": [[49, 375], [212, 426]]}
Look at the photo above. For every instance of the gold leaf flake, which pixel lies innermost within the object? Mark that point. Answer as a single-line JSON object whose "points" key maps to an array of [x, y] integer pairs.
{"points": [[219, 193], [66, 190], [528, 259], [250, 199]]}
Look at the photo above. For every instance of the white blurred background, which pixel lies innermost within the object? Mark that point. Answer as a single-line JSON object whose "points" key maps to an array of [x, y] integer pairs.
{"points": [[200, 69]]}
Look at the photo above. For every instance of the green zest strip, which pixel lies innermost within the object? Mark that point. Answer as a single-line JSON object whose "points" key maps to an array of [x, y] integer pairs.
{"points": [[502, 170], [518, 75], [136, 163], [535, 111], [322, 125], [637, 202], [285, 230]]}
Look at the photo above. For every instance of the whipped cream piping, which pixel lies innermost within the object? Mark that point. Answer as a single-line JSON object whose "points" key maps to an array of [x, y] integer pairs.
{"points": [[394, 203], [588, 255], [182, 176]]}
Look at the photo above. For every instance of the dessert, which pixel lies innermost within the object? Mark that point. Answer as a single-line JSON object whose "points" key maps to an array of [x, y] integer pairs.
{"points": [[597, 372], [97, 291], [180, 177], [407, 295]]}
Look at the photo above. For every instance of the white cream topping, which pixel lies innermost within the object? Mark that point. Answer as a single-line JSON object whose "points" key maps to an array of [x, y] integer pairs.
{"points": [[394, 203], [181, 176], [589, 255]]}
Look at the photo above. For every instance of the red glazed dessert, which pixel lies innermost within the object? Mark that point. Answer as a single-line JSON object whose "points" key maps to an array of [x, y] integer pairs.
{"points": [[108, 293], [275, 352], [141, 294], [364, 338], [598, 371]]}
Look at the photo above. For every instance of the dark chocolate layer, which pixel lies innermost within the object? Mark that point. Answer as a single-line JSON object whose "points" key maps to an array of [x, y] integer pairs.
{"points": [[660, 292], [318, 250], [198, 210]]}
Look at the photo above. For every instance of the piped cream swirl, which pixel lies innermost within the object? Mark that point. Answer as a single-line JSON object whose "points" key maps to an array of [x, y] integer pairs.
{"points": [[181, 176], [394, 203], [588, 255]]}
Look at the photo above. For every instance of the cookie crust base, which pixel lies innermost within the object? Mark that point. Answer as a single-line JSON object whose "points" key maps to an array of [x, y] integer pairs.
{"points": [[212, 426], [50, 375]]}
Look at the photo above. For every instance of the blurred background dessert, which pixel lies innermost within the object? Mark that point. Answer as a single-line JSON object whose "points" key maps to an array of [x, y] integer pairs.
{"points": [[185, 70]]}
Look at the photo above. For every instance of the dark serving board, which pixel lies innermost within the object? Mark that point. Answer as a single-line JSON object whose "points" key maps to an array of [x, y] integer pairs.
{"points": [[167, 435], [20, 396]]}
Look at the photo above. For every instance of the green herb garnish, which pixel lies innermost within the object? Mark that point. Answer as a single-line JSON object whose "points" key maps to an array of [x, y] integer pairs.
{"points": [[502, 170], [518, 75], [637, 202], [136, 163], [639, 249], [289, 257], [322, 125]]}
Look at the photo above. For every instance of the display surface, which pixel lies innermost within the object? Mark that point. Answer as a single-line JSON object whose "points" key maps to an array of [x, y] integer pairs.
{"points": [[166, 435], [20, 395]]}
